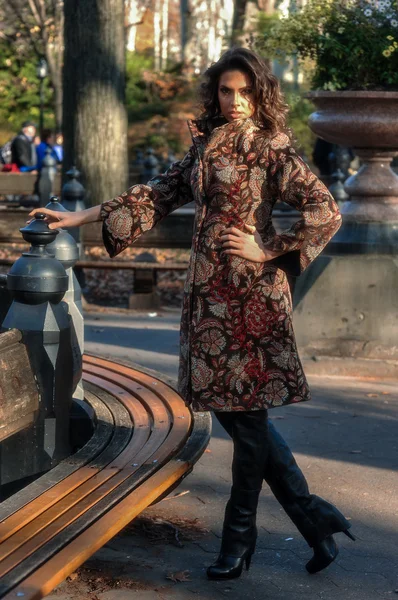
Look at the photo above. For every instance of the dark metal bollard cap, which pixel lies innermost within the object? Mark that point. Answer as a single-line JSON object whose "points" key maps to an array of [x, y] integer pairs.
{"points": [[37, 232], [65, 249], [73, 189], [55, 204], [37, 276]]}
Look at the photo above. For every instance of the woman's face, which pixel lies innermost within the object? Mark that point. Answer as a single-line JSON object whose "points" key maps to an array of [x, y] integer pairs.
{"points": [[235, 95]]}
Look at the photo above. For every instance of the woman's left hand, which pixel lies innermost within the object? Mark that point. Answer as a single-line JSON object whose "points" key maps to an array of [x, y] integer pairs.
{"points": [[246, 245]]}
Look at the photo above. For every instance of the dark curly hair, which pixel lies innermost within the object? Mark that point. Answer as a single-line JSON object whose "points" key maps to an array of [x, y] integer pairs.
{"points": [[270, 106]]}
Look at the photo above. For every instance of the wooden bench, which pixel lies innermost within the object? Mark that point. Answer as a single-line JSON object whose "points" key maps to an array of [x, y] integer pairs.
{"points": [[15, 184], [144, 443]]}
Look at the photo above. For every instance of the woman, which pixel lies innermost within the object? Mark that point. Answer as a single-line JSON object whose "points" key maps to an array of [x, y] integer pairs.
{"points": [[238, 354]]}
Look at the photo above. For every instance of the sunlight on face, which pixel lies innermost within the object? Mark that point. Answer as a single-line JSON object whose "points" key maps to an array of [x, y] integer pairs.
{"points": [[235, 95]]}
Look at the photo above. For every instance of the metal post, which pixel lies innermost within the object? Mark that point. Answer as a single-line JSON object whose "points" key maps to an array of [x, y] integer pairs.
{"points": [[65, 250], [47, 177], [41, 122], [42, 72], [37, 283], [145, 296], [73, 195]]}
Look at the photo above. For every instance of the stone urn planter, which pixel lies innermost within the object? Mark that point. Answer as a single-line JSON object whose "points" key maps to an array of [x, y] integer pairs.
{"points": [[346, 302], [366, 121]]}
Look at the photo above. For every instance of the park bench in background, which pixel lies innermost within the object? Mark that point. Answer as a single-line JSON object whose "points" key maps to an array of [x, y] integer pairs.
{"points": [[145, 441], [19, 184]]}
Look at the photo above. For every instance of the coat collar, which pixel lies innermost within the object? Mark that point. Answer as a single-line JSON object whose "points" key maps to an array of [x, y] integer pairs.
{"points": [[201, 130]]}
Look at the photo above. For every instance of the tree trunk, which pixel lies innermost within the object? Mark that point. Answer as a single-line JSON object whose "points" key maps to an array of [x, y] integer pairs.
{"points": [[165, 34], [55, 71], [94, 119], [186, 31], [156, 34], [58, 100], [238, 21]]}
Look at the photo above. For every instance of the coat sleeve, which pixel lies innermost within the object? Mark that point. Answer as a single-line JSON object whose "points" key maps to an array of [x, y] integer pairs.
{"points": [[292, 181], [137, 210]]}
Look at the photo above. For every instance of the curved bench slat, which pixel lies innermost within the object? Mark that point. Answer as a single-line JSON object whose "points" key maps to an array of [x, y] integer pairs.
{"points": [[55, 493], [64, 470], [170, 396], [182, 418], [53, 521], [161, 418], [68, 559], [93, 447], [154, 404], [31, 537], [129, 477]]}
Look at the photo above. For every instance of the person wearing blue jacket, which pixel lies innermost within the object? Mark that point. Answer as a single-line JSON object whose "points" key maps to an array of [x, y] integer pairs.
{"points": [[47, 141]]}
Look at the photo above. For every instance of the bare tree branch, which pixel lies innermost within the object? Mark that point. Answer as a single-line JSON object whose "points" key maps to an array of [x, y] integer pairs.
{"points": [[41, 8], [35, 12], [24, 23], [130, 25]]}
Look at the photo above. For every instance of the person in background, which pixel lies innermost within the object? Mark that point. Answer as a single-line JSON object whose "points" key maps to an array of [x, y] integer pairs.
{"points": [[23, 150], [48, 140], [58, 147]]}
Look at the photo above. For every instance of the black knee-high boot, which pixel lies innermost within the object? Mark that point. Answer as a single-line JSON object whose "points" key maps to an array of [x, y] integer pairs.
{"points": [[249, 435], [315, 518]]}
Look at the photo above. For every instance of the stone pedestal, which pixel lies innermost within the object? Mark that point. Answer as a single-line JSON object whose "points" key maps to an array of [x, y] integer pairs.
{"points": [[347, 300], [348, 306], [150, 301]]}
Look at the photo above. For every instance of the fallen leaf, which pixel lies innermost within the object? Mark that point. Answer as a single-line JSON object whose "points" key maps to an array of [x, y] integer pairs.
{"points": [[179, 576], [73, 576], [208, 451], [372, 395], [184, 493]]}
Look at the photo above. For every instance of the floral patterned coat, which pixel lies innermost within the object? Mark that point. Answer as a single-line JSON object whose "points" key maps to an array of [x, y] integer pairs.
{"points": [[238, 350]]}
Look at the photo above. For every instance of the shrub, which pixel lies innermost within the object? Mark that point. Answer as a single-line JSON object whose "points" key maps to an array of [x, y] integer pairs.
{"points": [[347, 44]]}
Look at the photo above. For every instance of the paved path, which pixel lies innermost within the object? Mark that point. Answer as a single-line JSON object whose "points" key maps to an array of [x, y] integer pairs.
{"points": [[345, 441]]}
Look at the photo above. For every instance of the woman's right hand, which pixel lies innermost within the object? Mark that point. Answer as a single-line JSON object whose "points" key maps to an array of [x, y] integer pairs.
{"points": [[58, 220]]}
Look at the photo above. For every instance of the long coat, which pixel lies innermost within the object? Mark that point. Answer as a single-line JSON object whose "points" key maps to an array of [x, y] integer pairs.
{"points": [[238, 350]]}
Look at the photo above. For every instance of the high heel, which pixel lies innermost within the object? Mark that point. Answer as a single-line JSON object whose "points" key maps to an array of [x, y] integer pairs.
{"points": [[249, 560], [349, 534], [230, 567]]}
